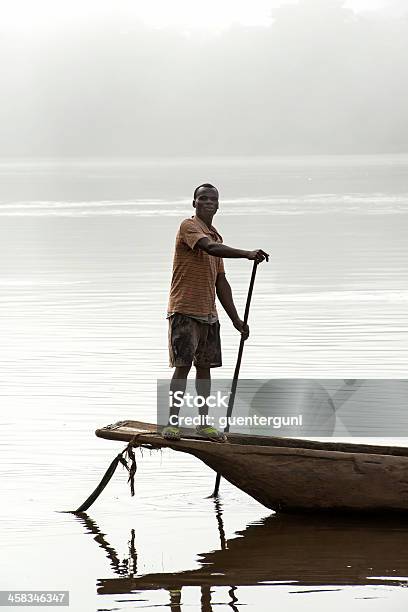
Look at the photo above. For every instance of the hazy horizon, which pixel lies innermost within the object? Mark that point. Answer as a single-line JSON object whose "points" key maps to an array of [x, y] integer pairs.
{"points": [[102, 82]]}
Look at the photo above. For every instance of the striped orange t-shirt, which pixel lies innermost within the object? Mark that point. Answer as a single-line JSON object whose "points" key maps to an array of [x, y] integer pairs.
{"points": [[195, 272]]}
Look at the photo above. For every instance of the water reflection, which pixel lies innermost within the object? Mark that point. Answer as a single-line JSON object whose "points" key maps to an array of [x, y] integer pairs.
{"points": [[298, 550], [125, 567]]}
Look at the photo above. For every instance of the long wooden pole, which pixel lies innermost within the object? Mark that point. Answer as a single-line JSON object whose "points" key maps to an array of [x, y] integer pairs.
{"points": [[237, 367]]}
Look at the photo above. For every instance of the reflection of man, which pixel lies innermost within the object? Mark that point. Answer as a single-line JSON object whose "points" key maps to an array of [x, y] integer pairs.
{"points": [[194, 329]]}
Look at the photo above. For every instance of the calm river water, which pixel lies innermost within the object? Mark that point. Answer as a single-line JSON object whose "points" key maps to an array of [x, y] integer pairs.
{"points": [[85, 262]]}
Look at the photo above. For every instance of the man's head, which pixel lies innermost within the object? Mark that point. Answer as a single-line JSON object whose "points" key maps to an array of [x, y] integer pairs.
{"points": [[205, 200]]}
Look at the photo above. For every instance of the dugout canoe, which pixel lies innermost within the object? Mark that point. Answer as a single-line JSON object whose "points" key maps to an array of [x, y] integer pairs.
{"points": [[292, 475]]}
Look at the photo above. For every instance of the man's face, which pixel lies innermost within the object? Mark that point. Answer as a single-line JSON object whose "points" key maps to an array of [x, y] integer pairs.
{"points": [[206, 201]]}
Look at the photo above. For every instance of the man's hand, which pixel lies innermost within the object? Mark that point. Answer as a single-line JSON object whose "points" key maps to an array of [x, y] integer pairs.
{"points": [[241, 327], [259, 255]]}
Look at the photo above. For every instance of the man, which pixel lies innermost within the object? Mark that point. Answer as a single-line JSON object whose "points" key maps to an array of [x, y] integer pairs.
{"points": [[194, 329]]}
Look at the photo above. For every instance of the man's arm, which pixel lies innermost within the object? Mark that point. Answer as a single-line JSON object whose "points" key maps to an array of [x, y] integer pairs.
{"points": [[217, 249], [224, 294]]}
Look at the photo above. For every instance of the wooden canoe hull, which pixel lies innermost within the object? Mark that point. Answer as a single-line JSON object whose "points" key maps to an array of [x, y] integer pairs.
{"points": [[294, 475]]}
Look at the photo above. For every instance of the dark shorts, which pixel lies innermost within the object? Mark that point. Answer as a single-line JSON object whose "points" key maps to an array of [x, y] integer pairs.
{"points": [[193, 342]]}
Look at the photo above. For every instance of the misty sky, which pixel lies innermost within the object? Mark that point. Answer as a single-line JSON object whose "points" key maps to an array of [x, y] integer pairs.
{"points": [[258, 77]]}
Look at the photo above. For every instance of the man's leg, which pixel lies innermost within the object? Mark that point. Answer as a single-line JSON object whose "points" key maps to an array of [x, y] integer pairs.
{"points": [[178, 383], [208, 355], [203, 388], [183, 340]]}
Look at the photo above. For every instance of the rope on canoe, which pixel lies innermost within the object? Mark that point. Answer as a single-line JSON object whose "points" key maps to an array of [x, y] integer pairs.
{"points": [[128, 460]]}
